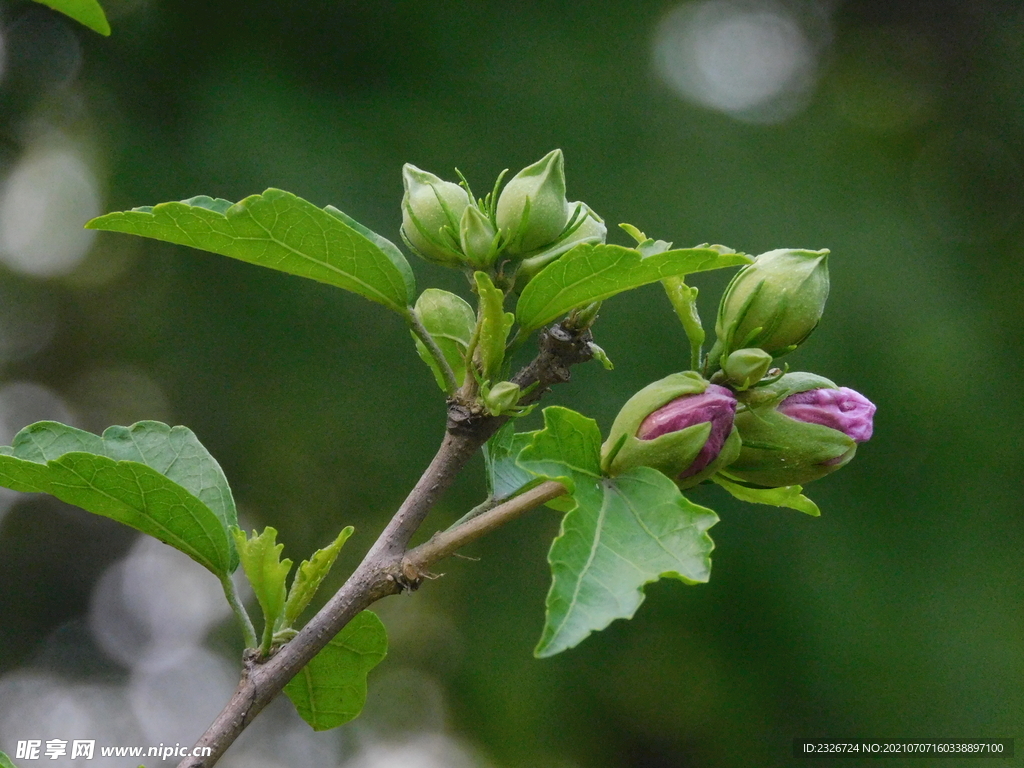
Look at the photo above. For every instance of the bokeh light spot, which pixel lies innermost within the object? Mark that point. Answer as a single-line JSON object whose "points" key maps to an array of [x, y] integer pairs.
{"points": [[45, 201], [753, 62]]}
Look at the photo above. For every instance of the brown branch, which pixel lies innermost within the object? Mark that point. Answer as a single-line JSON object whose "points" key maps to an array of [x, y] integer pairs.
{"points": [[446, 543], [381, 572]]}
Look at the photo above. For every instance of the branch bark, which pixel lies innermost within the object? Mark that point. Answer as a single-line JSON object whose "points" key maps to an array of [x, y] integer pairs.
{"points": [[386, 570]]}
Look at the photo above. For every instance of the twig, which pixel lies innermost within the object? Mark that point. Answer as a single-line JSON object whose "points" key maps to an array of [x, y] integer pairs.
{"points": [[381, 573], [443, 544]]}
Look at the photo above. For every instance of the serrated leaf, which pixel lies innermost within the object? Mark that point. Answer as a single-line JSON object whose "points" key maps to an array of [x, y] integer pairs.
{"points": [[149, 466], [567, 448], [505, 478], [331, 689], [450, 320], [310, 575], [593, 272], [790, 496], [266, 572], [623, 533], [283, 232], [5, 761], [87, 12], [494, 327]]}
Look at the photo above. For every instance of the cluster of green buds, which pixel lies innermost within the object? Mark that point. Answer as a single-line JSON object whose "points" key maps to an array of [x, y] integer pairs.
{"points": [[753, 423], [526, 226]]}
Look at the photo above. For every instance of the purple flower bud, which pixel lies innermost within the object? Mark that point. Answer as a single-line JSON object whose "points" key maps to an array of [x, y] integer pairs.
{"points": [[842, 409], [716, 405]]}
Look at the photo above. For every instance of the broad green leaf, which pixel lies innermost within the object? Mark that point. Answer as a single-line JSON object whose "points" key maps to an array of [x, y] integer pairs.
{"points": [[790, 496], [130, 493], [567, 448], [266, 571], [331, 689], [450, 320], [591, 273], [87, 12], [505, 478], [309, 576], [624, 533], [283, 232], [494, 327], [174, 452], [5, 761], [162, 464]]}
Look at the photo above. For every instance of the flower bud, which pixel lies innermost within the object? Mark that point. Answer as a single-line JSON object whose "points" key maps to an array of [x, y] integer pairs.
{"points": [[798, 429], [680, 425], [772, 304], [532, 210], [477, 237], [502, 396], [591, 229], [745, 367], [431, 211]]}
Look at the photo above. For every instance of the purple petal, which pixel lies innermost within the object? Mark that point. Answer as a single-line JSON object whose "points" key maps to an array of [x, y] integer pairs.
{"points": [[842, 409], [716, 405]]}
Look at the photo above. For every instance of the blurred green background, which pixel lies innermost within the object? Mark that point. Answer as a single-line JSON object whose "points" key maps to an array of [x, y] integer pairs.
{"points": [[889, 132]]}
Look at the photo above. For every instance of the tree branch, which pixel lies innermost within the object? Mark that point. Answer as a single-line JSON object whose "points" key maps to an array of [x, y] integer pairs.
{"points": [[381, 573], [445, 543]]}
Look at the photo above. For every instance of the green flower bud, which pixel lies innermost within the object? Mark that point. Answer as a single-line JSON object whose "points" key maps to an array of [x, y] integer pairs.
{"points": [[532, 210], [680, 425], [478, 238], [745, 367], [501, 397], [591, 229], [782, 446], [772, 304], [431, 211]]}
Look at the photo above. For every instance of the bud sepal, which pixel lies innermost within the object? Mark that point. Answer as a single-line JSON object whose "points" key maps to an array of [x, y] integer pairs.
{"points": [[680, 425], [431, 213], [532, 211]]}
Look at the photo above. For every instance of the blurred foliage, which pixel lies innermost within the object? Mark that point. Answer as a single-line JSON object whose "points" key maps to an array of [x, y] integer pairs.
{"points": [[896, 614]]}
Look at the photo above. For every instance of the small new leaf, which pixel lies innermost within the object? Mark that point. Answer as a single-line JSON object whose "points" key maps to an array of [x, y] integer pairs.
{"points": [[310, 575], [283, 232], [86, 12], [331, 689], [591, 273], [494, 327], [154, 478], [790, 496], [450, 320], [266, 571]]}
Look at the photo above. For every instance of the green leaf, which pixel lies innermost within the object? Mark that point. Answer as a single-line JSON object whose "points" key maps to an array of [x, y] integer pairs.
{"points": [[266, 571], [790, 496], [5, 761], [567, 448], [494, 327], [310, 575], [331, 689], [283, 232], [592, 272], [450, 320], [154, 478], [624, 533], [87, 12], [505, 478]]}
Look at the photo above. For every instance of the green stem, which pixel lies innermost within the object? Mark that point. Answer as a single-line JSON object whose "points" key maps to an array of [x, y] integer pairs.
{"points": [[684, 302], [248, 631], [423, 335], [487, 504]]}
